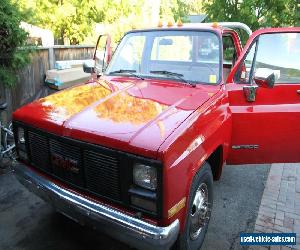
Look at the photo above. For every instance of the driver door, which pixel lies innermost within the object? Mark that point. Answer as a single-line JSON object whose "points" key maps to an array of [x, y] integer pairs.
{"points": [[267, 128]]}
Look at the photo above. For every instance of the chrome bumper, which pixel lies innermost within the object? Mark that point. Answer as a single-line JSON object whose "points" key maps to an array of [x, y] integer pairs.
{"points": [[123, 227]]}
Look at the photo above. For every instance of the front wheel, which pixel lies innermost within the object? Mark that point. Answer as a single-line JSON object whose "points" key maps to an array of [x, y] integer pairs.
{"points": [[199, 210]]}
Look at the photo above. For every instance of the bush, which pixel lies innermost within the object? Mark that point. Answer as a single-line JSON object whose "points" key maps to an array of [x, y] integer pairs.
{"points": [[14, 53]]}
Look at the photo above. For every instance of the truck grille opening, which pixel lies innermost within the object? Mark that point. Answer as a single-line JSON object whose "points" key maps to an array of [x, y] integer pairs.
{"points": [[90, 168]]}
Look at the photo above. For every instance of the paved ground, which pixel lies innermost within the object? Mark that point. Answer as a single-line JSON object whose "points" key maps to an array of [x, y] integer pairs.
{"points": [[279, 211], [26, 222], [236, 201]]}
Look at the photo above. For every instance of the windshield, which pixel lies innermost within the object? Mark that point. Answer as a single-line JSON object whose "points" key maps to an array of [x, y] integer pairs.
{"points": [[188, 56]]}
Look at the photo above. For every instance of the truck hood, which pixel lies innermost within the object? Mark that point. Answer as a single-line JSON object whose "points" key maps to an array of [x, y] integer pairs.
{"points": [[118, 112]]}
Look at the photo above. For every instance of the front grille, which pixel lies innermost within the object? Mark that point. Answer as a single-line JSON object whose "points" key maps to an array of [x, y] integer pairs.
{"points": [[90, 169], [97, 170], [38, 146], [61, 149], [102, 175]]}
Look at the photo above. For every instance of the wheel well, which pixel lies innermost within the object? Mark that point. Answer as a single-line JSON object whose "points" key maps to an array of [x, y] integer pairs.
{"points": [[215, 161]]}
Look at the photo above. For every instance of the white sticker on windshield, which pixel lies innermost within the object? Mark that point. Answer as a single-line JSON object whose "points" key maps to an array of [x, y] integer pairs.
{"points": [[212, 79]]}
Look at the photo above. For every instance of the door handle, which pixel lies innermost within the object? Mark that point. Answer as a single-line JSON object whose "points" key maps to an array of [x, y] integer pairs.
{"points": [[298, 91]]}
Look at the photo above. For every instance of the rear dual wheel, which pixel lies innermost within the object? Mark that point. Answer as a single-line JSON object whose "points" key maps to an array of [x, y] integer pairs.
{"points": [[199, 210]]}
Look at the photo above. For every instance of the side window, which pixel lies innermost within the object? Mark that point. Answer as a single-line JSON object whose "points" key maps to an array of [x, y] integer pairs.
{"points": [[276, 53], [229, 55], [279, 53], [243, 74], [229, 51]]}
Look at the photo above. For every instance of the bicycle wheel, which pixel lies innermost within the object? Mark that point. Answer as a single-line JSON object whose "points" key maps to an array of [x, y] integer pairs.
{"points": [[10, 142]]}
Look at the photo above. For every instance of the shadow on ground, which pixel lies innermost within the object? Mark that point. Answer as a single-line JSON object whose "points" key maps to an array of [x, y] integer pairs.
{"points": [[29, 223]]}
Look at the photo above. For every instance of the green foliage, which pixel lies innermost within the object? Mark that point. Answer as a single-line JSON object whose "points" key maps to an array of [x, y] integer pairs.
{"points": [[121, 15], [180, 9], [69, 19], [75, 19], [255, 13], [12, 38]]}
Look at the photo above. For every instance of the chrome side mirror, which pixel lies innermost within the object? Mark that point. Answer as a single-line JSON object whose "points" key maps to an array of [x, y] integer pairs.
{"points": [[102, 53], [260, 81], [99, 62], [250, 92], [265, 82], [88, 67]]}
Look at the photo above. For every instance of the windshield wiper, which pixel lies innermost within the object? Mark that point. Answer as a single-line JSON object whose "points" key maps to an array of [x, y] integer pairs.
{"points": [[127, 71], [169, 73]]}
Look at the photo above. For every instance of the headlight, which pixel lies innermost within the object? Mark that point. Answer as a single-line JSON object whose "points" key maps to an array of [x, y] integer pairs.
{"points": [[21, 136], [145, 176]]}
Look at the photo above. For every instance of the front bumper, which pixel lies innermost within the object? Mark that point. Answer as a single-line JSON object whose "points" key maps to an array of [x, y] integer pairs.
{"points": [[121, 226]]}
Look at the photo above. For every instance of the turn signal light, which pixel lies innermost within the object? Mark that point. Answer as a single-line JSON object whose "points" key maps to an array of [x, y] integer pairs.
{"points": [[170, 24], [179, 23], [215, 25], [143, 203]]}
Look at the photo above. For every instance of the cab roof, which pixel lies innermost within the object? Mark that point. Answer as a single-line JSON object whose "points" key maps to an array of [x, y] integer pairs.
{"points": [[218, 27], [184, 26]]}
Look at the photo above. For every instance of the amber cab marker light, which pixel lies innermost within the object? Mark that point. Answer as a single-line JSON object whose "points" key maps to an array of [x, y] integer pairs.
{"points": [[215, 25], [170, 24], [160, 23], [179, 23]]}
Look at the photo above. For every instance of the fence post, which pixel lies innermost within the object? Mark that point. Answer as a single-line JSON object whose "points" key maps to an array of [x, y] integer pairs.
{"points": [[9, 110], [51, 57]]}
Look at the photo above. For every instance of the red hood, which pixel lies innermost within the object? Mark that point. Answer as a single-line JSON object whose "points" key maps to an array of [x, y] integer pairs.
{"points": [[123, 113]]}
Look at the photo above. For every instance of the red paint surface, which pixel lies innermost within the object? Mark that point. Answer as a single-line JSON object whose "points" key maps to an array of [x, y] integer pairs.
{"points": [[118, 112], [271, 122]]}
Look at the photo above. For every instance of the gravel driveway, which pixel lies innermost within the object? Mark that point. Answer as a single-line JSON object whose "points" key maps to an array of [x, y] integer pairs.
{"points": [[26, 222]]}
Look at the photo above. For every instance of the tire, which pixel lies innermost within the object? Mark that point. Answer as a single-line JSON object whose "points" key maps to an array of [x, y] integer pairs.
{"points": [[191, 238]]}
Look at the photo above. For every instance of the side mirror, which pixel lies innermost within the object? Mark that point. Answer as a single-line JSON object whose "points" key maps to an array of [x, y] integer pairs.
{"points": [[88, 67], [250, 92], [102, 53], [265, 82]]}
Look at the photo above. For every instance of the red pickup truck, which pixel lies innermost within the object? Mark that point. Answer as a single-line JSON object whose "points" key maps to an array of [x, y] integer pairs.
{"points": [[134, 151]]}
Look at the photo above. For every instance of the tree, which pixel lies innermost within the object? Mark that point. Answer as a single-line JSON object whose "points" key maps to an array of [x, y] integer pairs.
{"points": [[180, 9], [13, 51], [68, 19], [75, 19], [255, 13]]}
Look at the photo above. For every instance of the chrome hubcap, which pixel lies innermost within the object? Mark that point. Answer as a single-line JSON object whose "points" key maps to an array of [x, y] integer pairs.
{"points": [[200, 211]]}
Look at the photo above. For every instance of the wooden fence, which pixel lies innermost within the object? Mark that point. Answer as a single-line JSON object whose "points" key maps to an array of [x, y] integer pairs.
{"points": [[30, 85]]}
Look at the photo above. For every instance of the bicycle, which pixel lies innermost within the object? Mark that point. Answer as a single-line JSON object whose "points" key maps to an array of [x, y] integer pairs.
{"points": [[7, 144]]}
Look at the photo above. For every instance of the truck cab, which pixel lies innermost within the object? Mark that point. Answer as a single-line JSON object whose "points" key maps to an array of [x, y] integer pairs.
{"points": [[134, 151]]}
